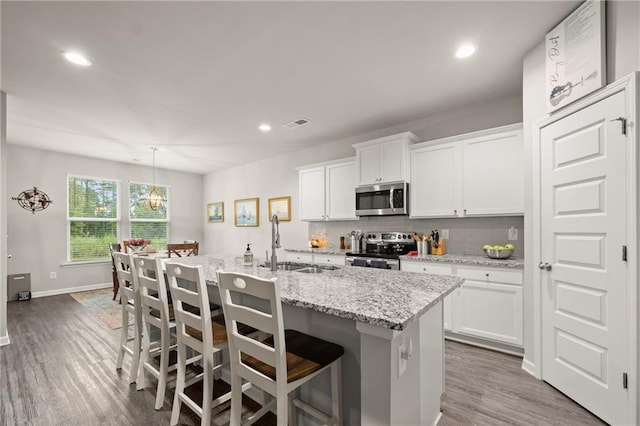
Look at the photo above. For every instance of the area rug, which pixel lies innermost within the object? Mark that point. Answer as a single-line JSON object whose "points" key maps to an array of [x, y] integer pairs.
{"points": [[100, 304]]}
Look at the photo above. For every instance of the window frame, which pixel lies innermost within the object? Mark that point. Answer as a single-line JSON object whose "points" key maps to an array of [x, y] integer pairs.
{"points": [[69, 219], [132, 220]]}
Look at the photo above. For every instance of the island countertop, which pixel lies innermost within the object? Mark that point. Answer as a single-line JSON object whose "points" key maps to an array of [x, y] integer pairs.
{"points": [[383, 298]]}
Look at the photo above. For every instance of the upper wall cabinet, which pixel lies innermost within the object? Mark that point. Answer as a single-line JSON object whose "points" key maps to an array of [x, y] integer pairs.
{"points": [[327, 191], [477, 174], [384, 159]]}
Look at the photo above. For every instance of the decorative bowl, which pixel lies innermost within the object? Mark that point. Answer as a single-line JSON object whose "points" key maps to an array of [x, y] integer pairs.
{"points": [[498, 254]]}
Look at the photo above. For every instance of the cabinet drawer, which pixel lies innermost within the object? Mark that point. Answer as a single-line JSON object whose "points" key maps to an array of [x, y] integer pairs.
{"points": [[491, 275], [426, 268], [300, 257], [328, 259]]}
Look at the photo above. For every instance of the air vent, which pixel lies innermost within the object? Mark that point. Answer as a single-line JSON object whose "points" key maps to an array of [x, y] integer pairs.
{"points": [[296, 123]]}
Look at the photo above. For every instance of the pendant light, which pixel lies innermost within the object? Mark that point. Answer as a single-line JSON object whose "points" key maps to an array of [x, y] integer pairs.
{"points": [[154, 198]]}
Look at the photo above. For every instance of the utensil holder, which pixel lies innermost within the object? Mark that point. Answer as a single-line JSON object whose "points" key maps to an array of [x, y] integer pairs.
{"points": [[441, 249]]}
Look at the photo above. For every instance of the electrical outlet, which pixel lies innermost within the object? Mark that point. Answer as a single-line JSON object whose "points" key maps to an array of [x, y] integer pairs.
{"points": [[513, 234], [445, 234], [53, 275]]}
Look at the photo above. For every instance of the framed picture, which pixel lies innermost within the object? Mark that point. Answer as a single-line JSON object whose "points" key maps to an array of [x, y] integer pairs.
{"points": [[245, 212], [575, 55], [280, 206], [215, 212]]}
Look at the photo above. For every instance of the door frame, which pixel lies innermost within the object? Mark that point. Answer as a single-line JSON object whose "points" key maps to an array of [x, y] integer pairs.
{"points": [[629, 85]]}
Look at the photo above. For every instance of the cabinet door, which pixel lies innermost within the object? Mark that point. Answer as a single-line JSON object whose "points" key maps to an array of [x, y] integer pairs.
{"points": [[340, 191], [329, 259], [368, 162], [434, 189], [489, 310], [393, 158], [312, 195], [493, 175]]}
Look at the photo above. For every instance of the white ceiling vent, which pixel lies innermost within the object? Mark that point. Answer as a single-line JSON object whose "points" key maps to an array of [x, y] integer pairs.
{"points": [[296, 123]]}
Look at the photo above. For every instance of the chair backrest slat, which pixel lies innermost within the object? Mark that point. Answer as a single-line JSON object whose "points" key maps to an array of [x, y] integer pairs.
{"points": [[183, 249], [235, 312], [153, 291], [125, 276]]}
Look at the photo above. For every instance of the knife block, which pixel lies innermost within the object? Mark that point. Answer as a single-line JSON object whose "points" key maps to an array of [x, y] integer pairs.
{"points": [[441, 249]]}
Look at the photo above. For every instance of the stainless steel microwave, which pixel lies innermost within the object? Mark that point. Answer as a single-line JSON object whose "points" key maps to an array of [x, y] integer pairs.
{"points": [[383, 199]]}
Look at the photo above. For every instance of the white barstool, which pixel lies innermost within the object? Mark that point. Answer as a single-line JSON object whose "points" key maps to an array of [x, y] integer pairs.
{"points": [[156, 313], [202, 334], [131, 314], [280, 364]]}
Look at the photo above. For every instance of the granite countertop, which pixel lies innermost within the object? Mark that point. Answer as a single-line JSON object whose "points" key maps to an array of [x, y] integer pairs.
{"points": [[458, 259], [384, 298]]}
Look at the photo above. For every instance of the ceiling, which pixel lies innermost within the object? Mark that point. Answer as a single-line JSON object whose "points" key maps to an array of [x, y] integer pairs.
{"points": [[195, 79]]}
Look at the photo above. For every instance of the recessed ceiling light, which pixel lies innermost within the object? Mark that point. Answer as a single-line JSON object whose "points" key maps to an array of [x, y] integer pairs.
{"points": [[465, 51], [76, 58], [264, 127]]}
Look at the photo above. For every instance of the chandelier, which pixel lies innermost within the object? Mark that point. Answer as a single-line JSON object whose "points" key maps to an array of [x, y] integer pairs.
{"points": [[154, 198]]}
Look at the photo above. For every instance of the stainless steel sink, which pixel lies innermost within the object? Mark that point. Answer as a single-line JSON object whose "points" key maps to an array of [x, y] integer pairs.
{"points": [[305, 268]]}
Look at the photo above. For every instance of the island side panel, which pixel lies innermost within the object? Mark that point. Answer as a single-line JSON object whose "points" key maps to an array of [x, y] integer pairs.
{"points": [[402, 371]]}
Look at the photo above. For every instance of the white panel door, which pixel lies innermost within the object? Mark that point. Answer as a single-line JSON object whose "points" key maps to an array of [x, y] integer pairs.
{"points": [[584, 307], [368, 159], [434, 189], [312, 197], [493, 180], [340, 187]]}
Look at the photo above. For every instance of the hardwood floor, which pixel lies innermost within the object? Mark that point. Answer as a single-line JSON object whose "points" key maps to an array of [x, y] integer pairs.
{"points": [[60, 370]]}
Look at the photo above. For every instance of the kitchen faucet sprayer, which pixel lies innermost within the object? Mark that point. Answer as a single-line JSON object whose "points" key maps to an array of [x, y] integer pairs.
{"points": [[275, 240]]}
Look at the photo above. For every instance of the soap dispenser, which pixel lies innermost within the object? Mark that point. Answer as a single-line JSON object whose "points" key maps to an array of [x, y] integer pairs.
{"points": [[248, 256]]}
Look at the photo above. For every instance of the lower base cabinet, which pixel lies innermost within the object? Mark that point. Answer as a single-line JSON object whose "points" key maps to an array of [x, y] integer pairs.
{"points": [[321, 259], [487, 307]]}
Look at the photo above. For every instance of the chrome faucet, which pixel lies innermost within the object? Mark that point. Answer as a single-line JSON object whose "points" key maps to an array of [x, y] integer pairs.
{"points": [[275, 241]]}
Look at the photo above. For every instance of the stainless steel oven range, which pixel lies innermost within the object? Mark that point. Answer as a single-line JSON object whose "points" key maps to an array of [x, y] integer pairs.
{"points": [[383, 250]]}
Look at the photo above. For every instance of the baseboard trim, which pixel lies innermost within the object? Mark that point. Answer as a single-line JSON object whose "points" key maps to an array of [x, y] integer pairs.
{"points": [[484, 343], [4, 340], [529, 367], [71, 290]]}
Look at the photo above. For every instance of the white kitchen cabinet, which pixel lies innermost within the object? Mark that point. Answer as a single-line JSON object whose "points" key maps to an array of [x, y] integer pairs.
{"points": [[329, 259], [486, 308], [435, 181], [384, 160], [327, 191], [477, 174], [299, 257]]}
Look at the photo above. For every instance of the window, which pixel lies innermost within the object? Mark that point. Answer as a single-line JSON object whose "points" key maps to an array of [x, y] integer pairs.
{"points": [[148, 224], [92, 217]]}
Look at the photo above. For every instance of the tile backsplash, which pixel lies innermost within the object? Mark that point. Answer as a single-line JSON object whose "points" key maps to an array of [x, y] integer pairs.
{"points": [[466, 235]]}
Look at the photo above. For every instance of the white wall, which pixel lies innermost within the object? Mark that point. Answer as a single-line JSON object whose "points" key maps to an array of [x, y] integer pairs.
{"points": [[38, 242], [277, 177], [623, 57]]}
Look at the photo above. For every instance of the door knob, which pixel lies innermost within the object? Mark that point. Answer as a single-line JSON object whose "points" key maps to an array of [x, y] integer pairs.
{"points": [[546, 266]]}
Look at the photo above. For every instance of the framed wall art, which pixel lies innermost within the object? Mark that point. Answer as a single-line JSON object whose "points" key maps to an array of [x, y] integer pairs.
{"points": [[281, 207], [215, 212], [246, 212], [575, 55]]}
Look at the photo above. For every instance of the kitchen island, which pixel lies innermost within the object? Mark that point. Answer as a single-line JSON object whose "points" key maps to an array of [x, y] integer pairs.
{"points": [[389, 322]]}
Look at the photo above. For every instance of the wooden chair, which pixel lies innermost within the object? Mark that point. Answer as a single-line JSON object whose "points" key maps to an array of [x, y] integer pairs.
{"points": [[156, 312], [200, 333], [114, 248], [131, 313], [126, 246], [183, 249], [280, 364]]}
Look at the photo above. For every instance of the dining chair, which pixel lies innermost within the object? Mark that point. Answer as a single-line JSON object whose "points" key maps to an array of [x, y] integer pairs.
{"points": [[126, 245], [131, 313], [183, 249], [114, 248], [202, 334], [279, 364], [156, 314]]}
